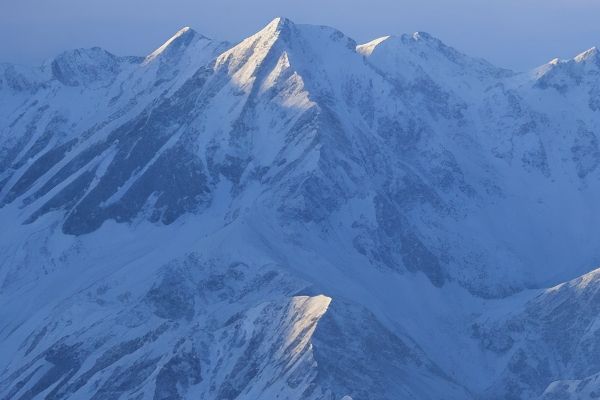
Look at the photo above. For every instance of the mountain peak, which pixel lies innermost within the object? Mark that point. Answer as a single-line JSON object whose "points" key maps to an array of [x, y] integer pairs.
{"points": [[417, 41], [589, 54], [182, 38], [91, 53], [424, 36], [283, 40], [280, 22], [558, 72], [184, 30], [84, 65], [368, 48], [413, 54], [276, 27]]}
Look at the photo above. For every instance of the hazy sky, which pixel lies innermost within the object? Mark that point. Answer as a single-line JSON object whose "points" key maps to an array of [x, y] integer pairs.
{"points": [[512, 33]]}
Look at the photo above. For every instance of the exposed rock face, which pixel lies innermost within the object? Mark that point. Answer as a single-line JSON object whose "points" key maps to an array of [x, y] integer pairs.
{"points": [[298, 217]]}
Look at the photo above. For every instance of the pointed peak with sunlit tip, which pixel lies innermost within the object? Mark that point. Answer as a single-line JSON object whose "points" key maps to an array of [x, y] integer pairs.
{"points": [[276, 27], [413, 39], [184, 37], [368, 48], [281, 22], [590, 54]]}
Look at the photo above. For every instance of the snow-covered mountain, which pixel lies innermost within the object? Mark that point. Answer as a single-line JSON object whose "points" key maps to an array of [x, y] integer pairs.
{"points": [[298, 216]]}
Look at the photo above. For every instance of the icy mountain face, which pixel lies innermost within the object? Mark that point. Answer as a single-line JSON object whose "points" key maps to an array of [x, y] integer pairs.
{"points": [[561, 74], [85, 67], [197, 331], [297, 216], [577, 75], [548, 343]]}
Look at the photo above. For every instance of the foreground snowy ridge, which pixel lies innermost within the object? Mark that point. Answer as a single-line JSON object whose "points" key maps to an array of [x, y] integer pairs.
{"points": [[298, 216]]}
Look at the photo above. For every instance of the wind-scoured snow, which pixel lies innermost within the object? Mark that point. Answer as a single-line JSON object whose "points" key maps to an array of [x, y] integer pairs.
{"points": [[298, 216]]}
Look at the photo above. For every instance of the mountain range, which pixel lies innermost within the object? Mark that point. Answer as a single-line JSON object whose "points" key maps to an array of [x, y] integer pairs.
{"points": [[299, 216]]}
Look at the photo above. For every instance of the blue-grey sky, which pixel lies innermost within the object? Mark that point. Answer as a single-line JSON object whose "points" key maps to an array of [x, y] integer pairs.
{"points": [[519, 34]]}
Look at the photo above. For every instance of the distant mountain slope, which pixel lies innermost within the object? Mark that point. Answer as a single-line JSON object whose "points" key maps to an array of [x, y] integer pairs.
{"points": [[297, 216]]}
